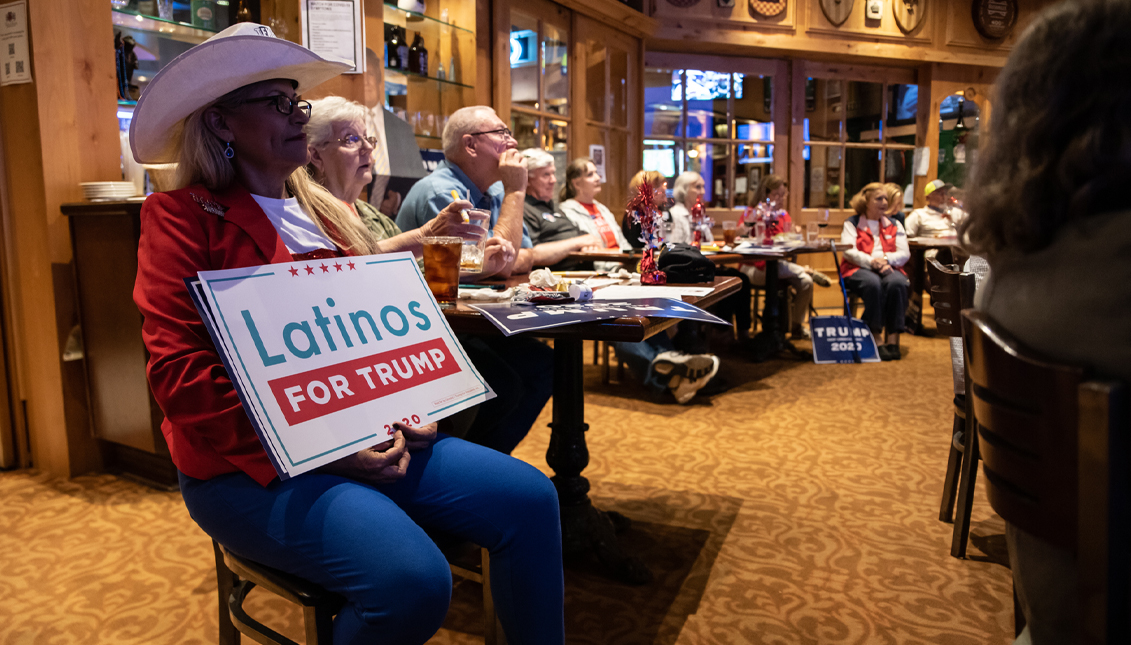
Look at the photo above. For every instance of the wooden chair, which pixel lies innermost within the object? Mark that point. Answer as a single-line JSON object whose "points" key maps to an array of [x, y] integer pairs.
{"points": [[236, 576], [951, 292], [1055, 451]]}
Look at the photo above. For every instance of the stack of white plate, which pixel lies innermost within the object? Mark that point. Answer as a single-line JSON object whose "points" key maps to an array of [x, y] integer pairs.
{"points": [[101, 191]]}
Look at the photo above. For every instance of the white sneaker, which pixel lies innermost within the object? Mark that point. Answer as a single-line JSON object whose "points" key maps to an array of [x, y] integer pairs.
{"points": [[686, 373]]}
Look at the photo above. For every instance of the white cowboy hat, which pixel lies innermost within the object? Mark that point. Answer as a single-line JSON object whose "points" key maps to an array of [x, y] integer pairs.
{"points": [[242, 54]]}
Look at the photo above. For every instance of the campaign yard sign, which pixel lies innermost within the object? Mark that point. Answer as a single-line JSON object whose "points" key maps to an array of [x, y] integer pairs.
{"points": [[327, 354], [515, 318], [840, 339]]}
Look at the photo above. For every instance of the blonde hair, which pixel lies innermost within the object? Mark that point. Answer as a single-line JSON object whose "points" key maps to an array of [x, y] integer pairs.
{"points": [[200, 160], [895, 198], [859, 201], [651, 177]]}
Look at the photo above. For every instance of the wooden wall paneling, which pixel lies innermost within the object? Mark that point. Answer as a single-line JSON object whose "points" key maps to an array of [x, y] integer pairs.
{"points": [[74, 75], [797, 79], [578, 144], [946, 35], [614, 13], [927, 130], [14, 451], [734, 64], [500, 58], [289, 11], [484, 60], [858, 72]]}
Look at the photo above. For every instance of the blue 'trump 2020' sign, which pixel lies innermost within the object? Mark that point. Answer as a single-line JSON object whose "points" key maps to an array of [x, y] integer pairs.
{"points": [[840, 339]]}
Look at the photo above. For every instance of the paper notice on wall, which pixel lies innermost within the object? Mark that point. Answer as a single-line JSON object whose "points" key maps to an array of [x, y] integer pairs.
{"points": [[15, 58], [333, 29], [922, 161], [817, 180], [597, 154]]}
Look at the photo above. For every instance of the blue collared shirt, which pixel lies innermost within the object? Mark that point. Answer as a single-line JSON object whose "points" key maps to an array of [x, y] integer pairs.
{"points": [[430, 195]]}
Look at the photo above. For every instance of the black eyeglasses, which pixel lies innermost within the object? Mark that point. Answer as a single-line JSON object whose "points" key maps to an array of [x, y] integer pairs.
{"points": [[284, 104], [353, 141], [506, 132]]}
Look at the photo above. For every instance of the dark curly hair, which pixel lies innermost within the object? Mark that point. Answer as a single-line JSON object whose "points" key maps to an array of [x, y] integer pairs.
{"points": [[1060, 134]]}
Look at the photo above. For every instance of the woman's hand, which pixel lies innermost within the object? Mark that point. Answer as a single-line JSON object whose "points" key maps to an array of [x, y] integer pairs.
{"points": [[384, 463], [450, 223], [879, 263], [417, 438]]}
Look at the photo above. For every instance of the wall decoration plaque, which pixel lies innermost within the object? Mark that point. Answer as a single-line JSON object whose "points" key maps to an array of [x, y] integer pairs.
{"points": [[909, 13], [683, 4], [766, 8], [994, 19], [836, 11]]}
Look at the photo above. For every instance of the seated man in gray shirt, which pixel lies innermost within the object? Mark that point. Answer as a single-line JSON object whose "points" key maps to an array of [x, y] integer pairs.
{"points": [[554, 235]]}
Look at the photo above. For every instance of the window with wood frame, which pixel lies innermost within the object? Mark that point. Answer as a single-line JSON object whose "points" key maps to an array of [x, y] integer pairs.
{"points": [[858, 129], [714, 116]]}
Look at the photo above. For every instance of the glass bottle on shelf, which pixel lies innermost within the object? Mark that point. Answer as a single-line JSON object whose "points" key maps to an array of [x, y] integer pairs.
{"points": [[395, 51], [203, 14], [418, 55]]}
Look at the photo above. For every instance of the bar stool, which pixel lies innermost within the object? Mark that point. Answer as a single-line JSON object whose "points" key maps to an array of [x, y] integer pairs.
{"points": [[236, 576]]}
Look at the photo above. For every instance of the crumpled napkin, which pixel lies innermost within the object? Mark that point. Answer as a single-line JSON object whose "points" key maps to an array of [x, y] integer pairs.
{"points": [[544, 278]]}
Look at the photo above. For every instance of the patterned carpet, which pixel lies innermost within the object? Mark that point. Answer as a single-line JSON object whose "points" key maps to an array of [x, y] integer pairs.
{"points": [[798, 507]]}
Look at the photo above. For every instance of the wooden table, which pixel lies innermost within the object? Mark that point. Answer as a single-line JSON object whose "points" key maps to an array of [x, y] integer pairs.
{"points": [[585, 529], [771, 340], [631, 258], [917, 275]]}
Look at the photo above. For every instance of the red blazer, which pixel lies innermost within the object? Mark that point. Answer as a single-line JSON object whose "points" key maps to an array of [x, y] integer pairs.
{"points": [[205, 425]]}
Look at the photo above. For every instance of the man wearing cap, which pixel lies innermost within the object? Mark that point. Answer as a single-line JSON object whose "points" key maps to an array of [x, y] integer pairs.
{"points": [[936, 219]]}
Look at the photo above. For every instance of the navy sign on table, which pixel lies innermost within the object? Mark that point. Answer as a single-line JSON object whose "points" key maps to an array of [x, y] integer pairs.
{"points": [[512, 318], [839, 339]]}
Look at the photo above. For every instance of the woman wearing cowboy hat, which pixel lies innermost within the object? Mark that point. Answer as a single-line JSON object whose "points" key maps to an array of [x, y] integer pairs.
{"points": [[228, 111]]}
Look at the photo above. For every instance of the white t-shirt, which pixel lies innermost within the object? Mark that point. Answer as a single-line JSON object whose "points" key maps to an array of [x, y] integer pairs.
{"points": [[874, 226], [299, 232]]}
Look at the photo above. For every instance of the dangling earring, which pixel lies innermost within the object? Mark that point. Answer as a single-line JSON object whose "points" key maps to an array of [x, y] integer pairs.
{"points": [[228, 152]]}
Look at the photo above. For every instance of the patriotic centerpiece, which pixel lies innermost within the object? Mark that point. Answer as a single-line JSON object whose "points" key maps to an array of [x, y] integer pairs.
{"points": [[697, 222], [642, 210]]}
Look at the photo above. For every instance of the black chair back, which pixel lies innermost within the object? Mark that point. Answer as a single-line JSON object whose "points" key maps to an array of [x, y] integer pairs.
{"points": [[951, 292]]}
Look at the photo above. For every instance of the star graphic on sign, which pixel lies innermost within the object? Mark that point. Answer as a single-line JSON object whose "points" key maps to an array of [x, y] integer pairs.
{"points": [[325, 269], [350, 265], [294, 271], [337, 266], [309, 270]]}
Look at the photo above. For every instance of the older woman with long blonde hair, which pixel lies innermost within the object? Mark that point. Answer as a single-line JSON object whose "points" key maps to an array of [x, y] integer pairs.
{"points": [[872, 265], [228, 111]]}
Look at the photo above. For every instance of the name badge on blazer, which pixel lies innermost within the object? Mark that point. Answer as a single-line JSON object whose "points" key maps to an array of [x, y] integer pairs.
{"points": [[549, 217], [209, 206]]}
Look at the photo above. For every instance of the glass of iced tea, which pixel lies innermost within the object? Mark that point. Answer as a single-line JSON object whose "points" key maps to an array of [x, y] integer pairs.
{"points": [[730, 233], [471, 256], [441, 266]]}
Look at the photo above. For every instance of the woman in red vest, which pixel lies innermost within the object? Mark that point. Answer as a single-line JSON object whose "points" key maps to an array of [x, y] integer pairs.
{"points": [[873, 265]]}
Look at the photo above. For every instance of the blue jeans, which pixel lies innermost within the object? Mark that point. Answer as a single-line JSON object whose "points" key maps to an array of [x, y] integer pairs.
{"points": [[885, 299], [521, 372], [638, 357], [367, 542]]}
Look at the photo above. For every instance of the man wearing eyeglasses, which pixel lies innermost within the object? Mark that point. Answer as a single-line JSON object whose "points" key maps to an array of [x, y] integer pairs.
{"points": [[483, 166]]}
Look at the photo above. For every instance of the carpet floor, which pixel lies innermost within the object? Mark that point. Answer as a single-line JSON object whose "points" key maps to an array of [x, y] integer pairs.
{"points": [[800, 506]]}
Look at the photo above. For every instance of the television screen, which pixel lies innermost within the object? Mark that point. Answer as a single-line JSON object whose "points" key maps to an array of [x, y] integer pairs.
{"points": [[706, 85]]}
